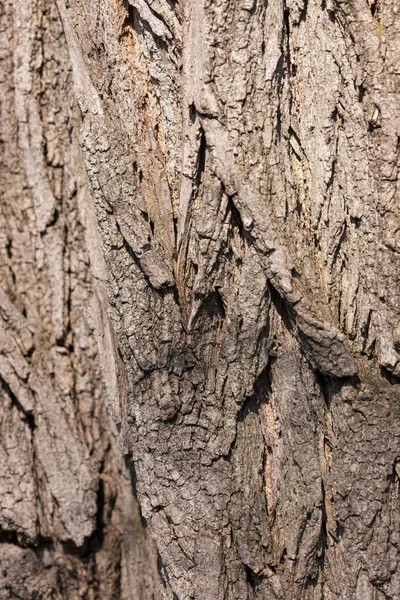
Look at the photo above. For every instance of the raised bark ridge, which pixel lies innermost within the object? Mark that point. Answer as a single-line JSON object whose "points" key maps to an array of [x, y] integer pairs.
{"points": [[240, 163]]}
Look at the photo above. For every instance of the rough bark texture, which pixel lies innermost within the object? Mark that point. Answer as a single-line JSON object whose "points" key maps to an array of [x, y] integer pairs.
{"points": [[200, 239], [70, 526]]}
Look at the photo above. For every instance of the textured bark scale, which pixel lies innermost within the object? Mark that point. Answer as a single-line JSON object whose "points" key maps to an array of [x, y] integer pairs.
{"points": [[199, 303]]}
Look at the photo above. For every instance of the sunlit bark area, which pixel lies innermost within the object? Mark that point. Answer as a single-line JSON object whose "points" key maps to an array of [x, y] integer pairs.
{"points": [[199, 300]]}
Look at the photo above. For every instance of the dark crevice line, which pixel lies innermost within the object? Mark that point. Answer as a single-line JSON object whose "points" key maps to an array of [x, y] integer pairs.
{"points": [[323, 537], [303, 14], [392, 379], [129, 21], [236, 219], [340, 241], [139, 23], [201, 158], [27, 416]]}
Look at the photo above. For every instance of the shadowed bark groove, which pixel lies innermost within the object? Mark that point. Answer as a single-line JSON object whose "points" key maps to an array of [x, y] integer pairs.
{"points": [[199, 350]]}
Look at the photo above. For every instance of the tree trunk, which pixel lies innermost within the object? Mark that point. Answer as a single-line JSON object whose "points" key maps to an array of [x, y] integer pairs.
{"points": [[199, 338]]}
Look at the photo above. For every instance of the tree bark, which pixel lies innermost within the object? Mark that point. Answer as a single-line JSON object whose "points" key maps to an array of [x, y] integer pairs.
{"points": [[199, 338]]}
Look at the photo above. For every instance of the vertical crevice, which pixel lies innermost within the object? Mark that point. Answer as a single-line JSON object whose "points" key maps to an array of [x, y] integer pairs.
{"points": [[201, 158]]}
